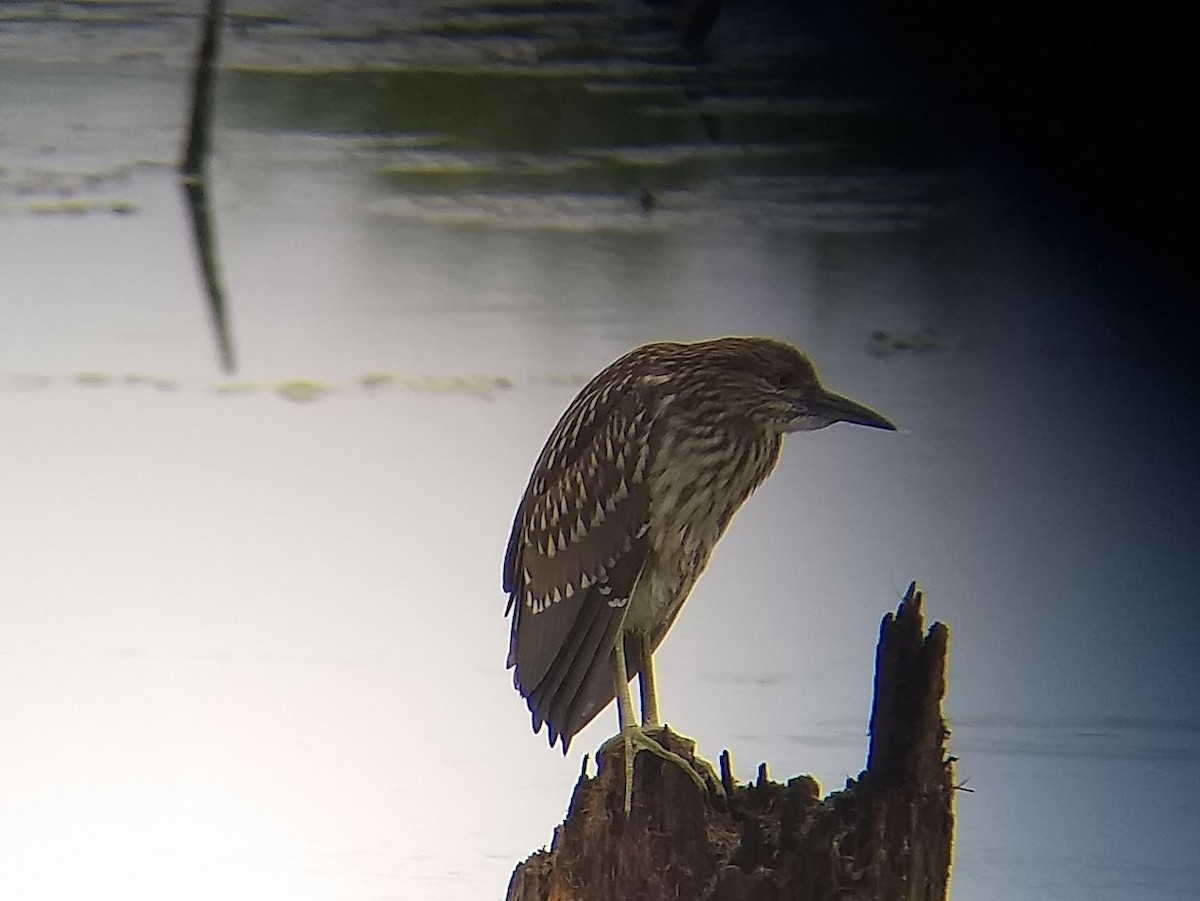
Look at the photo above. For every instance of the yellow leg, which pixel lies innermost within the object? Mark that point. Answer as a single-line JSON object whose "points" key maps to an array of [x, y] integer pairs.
{"points": [[633, 737], [650, 718], [625, 716]]}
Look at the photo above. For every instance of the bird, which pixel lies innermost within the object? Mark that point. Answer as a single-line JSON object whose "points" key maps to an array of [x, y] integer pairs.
{"points": [[634, 488]]}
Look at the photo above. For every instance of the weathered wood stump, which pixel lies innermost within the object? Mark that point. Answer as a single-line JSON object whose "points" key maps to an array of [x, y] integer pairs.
{"points": [[887, 836]]}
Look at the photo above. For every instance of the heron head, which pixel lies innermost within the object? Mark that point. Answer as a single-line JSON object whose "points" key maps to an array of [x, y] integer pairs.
{"points": [[785, 392]]}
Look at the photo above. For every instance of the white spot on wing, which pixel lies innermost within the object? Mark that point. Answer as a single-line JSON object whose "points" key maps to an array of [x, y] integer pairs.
{"points": [[622, 491]]}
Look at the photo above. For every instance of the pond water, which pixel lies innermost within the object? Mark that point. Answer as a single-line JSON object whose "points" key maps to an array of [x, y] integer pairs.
{"points": [[251, 626]]}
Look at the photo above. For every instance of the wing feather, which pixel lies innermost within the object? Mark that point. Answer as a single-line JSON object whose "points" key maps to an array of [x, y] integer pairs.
{"points": [[576, 551]]}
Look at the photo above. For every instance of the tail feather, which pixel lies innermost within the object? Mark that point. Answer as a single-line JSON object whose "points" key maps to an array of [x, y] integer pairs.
{"points": [[582, 660]]}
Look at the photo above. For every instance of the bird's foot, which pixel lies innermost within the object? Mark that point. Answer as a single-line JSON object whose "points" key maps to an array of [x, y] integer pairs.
{"points": [[698, 767], [635, 738]]}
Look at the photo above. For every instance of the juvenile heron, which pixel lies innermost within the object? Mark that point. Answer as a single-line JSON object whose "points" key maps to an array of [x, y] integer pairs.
{"points": [[633, 490]]}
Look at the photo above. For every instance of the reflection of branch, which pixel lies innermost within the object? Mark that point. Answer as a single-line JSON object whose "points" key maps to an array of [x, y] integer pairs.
{"points": [[193, 169], [196, 153], [196, 190]]}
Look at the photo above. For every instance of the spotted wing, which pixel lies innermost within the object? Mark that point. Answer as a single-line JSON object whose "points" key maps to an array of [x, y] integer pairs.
{"points": [[576, 552]]}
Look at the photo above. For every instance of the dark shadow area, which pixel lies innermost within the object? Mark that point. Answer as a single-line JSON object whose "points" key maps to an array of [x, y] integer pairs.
{"points": [[199, 212], [1083, 108], [193, 170]]}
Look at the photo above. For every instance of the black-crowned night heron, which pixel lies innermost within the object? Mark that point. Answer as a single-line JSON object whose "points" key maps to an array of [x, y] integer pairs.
{"points": [[633, 490]]}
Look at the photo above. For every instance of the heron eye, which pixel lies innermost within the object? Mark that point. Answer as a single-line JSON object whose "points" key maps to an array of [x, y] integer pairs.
{"points": [[781, 380]]}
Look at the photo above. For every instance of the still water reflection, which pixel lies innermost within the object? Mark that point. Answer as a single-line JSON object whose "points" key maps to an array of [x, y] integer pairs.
{"points": [[251, 631]]}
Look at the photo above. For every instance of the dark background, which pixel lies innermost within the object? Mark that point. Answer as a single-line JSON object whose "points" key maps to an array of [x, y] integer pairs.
{"points": [[1086, 108]]}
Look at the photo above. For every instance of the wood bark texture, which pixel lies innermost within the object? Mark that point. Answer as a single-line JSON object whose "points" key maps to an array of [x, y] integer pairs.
{"points": [[886, 836]]}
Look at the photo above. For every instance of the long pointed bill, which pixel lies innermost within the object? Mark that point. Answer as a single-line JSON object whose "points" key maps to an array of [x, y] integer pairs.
{"points": [[839, 408]]}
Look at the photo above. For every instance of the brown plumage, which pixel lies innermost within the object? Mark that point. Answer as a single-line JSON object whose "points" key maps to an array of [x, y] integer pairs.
{"points": [[633, 490]]}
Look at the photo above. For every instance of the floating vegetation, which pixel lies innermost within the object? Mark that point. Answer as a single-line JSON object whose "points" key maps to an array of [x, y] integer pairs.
{"points": [[233, 389], [90, 379], [564, 212], [79, 207], [140, 55], [477, 386], [884, 343], [93, 379], [302, 391], [373, 381], [151, 381], [297, 390], [482, 386]]}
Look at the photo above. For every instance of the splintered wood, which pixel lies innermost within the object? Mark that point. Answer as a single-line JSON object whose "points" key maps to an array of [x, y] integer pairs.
{"points": [[887, 836]]}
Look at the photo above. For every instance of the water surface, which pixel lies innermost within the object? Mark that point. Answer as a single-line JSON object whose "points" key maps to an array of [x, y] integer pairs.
{"points": [[251, 630]]}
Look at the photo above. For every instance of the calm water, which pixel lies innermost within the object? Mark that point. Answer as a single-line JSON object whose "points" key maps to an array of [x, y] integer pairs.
{"points": [[251, 630]]}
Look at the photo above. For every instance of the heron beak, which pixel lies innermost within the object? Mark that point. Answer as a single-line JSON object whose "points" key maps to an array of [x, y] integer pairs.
{"points": [[839, 408]]}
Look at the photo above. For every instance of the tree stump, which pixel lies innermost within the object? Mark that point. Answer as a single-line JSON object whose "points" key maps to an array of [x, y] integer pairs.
{"points": [[887, 836]]}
